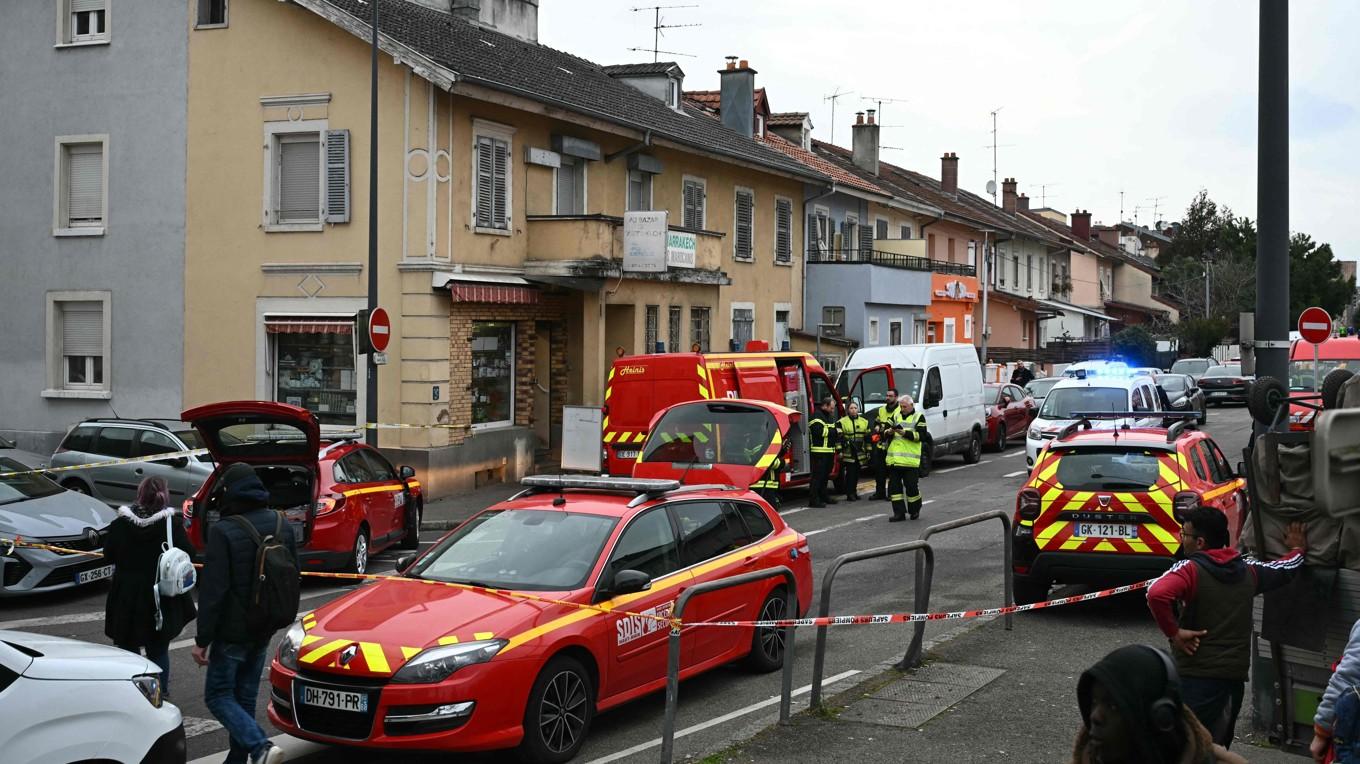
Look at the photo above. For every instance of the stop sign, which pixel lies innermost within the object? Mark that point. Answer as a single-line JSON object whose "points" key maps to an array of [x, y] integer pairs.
{"points": [[1315, 325], [380, 329]]}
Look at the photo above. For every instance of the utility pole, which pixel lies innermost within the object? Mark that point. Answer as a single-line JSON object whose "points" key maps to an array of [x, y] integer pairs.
{"points": [[986, 279], [657, 26], [833, 98], [994, 186], [371, 388], [1272, 192]]}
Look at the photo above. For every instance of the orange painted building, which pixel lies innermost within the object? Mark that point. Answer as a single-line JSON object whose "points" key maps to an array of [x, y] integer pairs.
{"points": [[953, 304]]}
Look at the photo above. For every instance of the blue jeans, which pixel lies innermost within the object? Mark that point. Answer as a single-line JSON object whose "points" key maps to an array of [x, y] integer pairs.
{"points": [[159, 654], [1216, 703], [232, 683], [1346, 728]]}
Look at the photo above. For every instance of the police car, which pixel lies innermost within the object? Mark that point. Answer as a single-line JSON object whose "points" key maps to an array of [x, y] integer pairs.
{"points": [[515, 629], [1101, 504], [1096, 386]]}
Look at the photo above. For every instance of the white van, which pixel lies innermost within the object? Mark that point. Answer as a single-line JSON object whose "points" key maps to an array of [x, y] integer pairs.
{"points": [[1089, 393], [945, 381]]}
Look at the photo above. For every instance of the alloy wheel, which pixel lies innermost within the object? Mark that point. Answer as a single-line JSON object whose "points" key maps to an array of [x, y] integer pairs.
{"points": [[772, 638], [361, 553], [562, 714]]}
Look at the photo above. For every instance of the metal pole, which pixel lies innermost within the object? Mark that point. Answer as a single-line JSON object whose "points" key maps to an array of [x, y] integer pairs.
{"points": [[371, 389], [1206, 288], [986, 277], [1272, 192]]}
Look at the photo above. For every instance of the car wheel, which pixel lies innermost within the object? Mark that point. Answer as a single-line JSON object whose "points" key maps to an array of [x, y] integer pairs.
{"points": [[558, 715], [974, 453], [1028, 590], [1203, 414], [1001, 440], [412, 538], [1265, 398], [767, 644], [358, 557], [1331, 387], [77, 486]]}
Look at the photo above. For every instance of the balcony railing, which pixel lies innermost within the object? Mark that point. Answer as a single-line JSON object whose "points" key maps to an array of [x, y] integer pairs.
{"points": [[890, 260]]}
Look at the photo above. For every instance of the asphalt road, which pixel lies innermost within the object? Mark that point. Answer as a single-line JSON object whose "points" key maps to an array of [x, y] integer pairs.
{"points": [[725, 705]]}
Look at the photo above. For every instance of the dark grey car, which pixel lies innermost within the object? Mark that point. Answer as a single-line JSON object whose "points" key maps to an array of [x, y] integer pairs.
{"points": [[101, 440], [1184, 395], [37, 509]]}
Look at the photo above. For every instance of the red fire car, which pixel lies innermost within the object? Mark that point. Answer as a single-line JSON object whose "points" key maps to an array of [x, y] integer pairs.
{"points": [[345, 500], [418, 664]]}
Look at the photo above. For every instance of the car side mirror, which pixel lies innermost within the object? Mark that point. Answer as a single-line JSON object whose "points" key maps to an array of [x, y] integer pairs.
{"points": [[405, 561], [178, 462], [629, 581], [406, 472], [1241, 469]]}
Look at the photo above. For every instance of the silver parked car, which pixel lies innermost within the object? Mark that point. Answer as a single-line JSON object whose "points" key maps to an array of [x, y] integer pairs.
{"points": [[100, 440], [34, 507]]}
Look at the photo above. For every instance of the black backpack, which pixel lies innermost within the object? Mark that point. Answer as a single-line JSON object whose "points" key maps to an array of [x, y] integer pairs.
{"points": [[275, 581]]}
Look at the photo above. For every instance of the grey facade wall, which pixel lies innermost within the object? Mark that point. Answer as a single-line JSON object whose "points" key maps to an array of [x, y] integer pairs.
{"points": [[134, 90], [867, 292]]}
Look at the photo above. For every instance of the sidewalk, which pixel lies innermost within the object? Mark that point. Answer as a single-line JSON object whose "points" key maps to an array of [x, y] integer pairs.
{"points": [[447, 513], [984, 695]]}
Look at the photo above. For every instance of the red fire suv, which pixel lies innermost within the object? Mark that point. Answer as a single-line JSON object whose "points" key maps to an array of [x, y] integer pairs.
{"points": [[345, 501]]}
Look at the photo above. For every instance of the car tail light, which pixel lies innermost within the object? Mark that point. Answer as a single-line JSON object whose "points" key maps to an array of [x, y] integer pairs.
{"points": [[1027, 504], [604, 458], [605, 409], [1183, 502], [329, 504]]}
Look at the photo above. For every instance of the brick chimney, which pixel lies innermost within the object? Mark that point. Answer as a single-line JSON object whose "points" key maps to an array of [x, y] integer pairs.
{"points": [[1008, 198], [738, 88], [1022, 203], [517, 18], [949, 173], [865, 144], [1081, 225]]}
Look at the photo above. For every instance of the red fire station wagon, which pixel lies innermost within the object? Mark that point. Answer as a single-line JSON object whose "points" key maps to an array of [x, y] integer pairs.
{"points": [[641, 386]]}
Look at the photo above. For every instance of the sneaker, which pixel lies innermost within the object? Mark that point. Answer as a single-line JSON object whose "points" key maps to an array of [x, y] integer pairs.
{"points": [[271, 755]]}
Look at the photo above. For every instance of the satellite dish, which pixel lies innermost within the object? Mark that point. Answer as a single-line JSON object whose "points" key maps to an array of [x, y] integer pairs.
{"points": [[991, 188]]}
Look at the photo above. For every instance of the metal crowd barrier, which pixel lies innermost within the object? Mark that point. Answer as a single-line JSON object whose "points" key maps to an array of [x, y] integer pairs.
{"points": [[819, 661], [913, 657], [673, 657]]}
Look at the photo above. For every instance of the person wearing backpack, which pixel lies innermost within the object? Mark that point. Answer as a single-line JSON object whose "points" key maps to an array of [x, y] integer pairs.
{"points": [[138, 615], [248, 590]]}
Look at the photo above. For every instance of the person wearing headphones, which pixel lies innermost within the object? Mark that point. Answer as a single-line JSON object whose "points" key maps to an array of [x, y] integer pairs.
{"points": [[1132, 713]]}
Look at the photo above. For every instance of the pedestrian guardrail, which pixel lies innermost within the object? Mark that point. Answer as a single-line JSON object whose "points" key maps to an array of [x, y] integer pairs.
{"points": [[673, 656], [919, 546], [913, 657]]}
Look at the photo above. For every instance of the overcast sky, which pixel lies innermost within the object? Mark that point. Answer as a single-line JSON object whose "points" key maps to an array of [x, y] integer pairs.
{"points": [[1155, 98]]}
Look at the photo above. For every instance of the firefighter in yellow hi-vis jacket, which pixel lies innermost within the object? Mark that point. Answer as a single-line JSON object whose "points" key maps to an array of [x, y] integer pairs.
{"points": [[823, 438], [855, 444], [904, 462]]}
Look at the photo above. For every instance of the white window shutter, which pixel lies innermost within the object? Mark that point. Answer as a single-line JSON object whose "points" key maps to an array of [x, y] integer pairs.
{"points": [[85, 183], [500, 203], [299, 180], [485, 182], [813, 239], [82, 328], [337, 176], [80, 6]]}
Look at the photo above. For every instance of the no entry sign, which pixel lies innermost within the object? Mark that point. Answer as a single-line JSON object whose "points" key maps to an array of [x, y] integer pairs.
{"points": [[379, 329], [1315, 325]]}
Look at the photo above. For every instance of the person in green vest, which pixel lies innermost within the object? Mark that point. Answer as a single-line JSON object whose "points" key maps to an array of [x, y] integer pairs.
{"points": [[884, 418], [903, 460], [767, 485], [822, 437], [854, 432]]}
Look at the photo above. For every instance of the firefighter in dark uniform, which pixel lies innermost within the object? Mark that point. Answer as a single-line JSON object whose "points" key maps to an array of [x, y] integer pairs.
{"points": [[854, 432], [884, 418], [909, 437], [822, 437], [767, 485]]}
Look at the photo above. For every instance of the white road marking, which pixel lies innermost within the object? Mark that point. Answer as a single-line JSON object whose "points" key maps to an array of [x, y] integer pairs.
{"points": [[52, 620], [864, 519], [700, 727], [1017, 473], [962, 467], [197, 725], [1021, 452], [293, 747]]}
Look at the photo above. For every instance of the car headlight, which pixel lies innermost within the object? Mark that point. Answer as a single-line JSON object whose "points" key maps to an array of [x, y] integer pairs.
{"points": [[438, 663], [288, 648], [1034, 433], [150, 687]]}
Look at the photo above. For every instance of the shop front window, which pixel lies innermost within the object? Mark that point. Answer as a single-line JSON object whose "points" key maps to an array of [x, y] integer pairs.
{"points": [[314, 364], [493, 372]]}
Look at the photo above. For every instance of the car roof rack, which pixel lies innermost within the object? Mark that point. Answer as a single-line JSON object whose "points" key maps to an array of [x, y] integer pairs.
{"points": [[161, 423], [1065, 432], [646, 497], [1179, 428], [337, 442]]}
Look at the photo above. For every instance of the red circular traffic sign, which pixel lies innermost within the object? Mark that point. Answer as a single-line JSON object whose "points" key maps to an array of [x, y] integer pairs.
{"points": [[1315, 325], [379, 329]]}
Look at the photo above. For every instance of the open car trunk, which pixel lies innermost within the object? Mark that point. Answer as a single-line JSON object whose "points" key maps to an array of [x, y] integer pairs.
{"points": [[292, 491]]}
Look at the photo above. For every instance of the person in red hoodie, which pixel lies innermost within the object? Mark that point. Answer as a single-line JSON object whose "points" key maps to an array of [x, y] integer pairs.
{"points": [[1203, 606]]}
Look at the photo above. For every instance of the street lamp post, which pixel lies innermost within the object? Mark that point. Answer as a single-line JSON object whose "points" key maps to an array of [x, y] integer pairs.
{"points": [[371, 389]]}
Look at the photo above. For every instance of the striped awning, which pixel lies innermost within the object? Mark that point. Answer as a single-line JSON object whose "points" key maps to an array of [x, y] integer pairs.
{"points": [[279, 326], [494, 293]]}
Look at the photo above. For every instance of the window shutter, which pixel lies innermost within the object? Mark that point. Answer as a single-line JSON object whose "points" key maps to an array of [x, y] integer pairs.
{"points": [[743, 237], [85, 183], [500, 201], [80, 6], [783, 233], [866, 238], [882, 232], [337, 176], [82, 328], [812, 229], [694, 205], [299, 177], [485, 182]]}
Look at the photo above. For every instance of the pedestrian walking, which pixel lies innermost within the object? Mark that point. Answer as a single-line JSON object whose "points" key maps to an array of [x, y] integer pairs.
{"points": [[823, 436], [249, 583], [854, 434], [1132, 713], [1212, 587], [137, 617], [1336, 725], [884, 418], [1022, 375], [908, 438]]}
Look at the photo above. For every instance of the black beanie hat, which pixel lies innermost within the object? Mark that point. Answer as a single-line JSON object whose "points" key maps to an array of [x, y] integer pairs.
{"points": [[1135, 678], [242, 488]]}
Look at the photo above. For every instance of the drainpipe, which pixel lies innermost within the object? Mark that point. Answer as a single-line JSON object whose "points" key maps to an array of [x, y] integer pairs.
{"points": [[806, 211]]}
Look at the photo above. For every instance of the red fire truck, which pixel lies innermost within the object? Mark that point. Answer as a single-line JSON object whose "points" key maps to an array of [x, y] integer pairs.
{"points": [[640, 386]]}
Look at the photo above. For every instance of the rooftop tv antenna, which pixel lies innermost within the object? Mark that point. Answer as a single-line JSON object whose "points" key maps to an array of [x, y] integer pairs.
{"points": [[1121, 205], [992, 188], [657, 26], [1156, 206], [833, 98], [878, 102], [1043, 192]]}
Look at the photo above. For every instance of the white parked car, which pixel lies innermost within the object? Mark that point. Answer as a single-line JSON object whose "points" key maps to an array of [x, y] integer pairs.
{"points": [[65, 701], [1083, 393]]}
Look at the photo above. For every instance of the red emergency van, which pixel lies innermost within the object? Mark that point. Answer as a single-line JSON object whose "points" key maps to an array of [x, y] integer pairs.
{"points": [[640, 386], [1335, 353]]}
